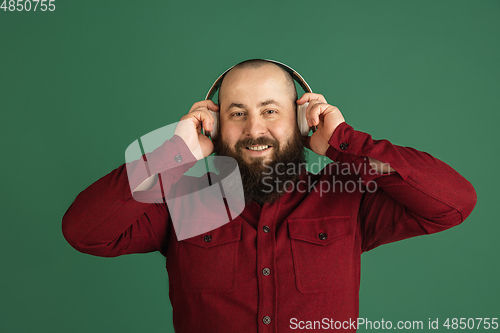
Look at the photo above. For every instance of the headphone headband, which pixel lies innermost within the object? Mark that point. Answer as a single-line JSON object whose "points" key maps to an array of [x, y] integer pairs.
{"points": [[295, 75]]}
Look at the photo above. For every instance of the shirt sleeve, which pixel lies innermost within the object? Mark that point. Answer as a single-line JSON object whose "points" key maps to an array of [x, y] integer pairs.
{"points": [[424, 195], [105, 220]]}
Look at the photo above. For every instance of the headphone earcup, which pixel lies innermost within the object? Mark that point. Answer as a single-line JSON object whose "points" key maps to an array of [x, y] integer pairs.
{"points": [[301, 119], [213, 134]]}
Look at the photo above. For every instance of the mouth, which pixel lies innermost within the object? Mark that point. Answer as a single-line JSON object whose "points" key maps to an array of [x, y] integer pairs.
{"points": [[258, 147]]}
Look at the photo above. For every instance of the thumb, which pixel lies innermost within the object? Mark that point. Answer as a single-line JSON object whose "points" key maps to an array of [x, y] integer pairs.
{"points": [[212, 106], [302, 100]]}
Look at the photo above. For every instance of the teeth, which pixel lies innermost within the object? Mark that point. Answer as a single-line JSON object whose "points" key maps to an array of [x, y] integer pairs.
{"points": [[258, 147]]}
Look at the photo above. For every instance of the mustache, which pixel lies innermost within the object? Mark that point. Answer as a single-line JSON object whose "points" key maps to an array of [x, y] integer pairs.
{"points": [[259, 141]]}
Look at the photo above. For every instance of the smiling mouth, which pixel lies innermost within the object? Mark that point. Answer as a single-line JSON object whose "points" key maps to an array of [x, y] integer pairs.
{"points": [[258, 148]]}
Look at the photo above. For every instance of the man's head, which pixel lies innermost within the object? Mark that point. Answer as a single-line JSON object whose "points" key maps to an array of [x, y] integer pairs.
{"points": [[258, 126], [258, 63]]}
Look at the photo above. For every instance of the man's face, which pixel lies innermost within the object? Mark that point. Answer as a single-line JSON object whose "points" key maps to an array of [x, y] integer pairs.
{"points": [[257, 113], [258, 129]]}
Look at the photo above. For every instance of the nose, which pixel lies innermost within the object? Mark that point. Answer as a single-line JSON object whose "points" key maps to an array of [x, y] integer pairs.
{"points": [[254, 126]]}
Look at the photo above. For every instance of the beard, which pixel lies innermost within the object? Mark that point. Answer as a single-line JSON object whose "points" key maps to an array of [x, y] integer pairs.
{"points": [[264, 179]]}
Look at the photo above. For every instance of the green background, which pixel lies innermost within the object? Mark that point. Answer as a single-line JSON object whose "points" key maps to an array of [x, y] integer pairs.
{"points": [[79, 84]]}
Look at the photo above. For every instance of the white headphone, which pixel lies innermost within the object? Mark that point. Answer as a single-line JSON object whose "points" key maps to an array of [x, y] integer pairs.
{"points": [[301, 109]]}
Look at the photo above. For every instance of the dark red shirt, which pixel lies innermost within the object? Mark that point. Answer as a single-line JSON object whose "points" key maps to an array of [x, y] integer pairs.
{"points": [[297, 259]]}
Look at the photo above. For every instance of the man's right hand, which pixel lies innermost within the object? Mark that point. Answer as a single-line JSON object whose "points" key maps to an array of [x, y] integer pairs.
{"points": [[189, 128]]}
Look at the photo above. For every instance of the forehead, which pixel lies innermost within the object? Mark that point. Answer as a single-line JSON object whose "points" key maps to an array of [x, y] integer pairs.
{"points": [[254, 83]]}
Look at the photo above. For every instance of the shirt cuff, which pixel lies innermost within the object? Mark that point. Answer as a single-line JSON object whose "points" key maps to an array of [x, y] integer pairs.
{"points": [[172, 157], [345, 147], [340, 144]]}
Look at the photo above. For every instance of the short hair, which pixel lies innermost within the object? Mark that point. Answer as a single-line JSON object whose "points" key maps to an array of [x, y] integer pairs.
{"points": [[256, 63]]}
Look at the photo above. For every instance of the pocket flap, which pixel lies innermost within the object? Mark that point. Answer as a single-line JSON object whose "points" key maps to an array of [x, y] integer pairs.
{"points": [[230, 232], [319, 231]]}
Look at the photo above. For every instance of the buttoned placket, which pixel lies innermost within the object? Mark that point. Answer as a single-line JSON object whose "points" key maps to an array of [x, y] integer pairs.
{"points": [[266, 268]]}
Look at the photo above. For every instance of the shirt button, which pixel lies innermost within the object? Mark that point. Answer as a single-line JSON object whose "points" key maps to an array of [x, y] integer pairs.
{"points": [[266, 271], [207, 238], [344, 145], [322, 235], [178, 158], [266, 320], [265, 229]]}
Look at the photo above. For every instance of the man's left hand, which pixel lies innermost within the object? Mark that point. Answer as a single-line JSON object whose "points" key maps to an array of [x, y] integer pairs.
{"points": [[322, 115]]}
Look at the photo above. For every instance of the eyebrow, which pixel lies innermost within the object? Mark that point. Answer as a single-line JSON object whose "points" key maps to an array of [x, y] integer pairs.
{"points": [[242, 106]]}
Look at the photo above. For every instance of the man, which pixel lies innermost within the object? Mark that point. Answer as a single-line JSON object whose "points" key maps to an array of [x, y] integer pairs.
{"points": [[293, 254]]}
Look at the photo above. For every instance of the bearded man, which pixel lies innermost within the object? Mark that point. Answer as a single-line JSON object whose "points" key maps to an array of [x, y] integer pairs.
{"points": [[291, 259]]}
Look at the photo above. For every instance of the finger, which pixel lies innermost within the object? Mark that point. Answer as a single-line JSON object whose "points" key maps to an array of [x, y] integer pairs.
{"points": [[209, 104], [313, 111], [308, 97], [318, 111], [203, 117]]}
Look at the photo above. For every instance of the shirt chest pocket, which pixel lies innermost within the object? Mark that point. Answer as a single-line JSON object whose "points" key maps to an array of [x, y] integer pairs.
{"points": [[208, 262], [322, 251]]}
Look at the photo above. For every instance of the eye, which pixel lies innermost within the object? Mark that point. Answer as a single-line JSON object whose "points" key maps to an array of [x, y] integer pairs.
{"points": [[270, 111], [237, 114]]}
